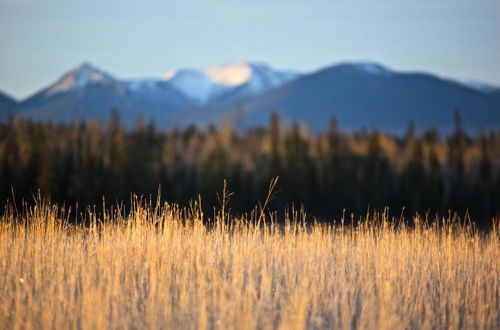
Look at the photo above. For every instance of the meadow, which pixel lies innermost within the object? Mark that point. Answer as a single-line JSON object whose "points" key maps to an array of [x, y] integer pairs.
{"points": [[162, 266]]}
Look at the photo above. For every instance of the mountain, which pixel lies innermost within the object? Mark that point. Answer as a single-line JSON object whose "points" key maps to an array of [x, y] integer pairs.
{"points": [[481, 86], [7, 104], [364, 95], [227, 82], [87, 92], [359, 95], [84, 92]]}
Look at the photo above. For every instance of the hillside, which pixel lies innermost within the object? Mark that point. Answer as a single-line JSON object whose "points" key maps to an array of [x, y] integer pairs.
{"points": [[370, 96], [7, 104], [359, 95]]}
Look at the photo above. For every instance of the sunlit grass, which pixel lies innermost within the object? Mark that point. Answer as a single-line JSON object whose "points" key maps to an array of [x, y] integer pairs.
{"points": [[161, 267]]}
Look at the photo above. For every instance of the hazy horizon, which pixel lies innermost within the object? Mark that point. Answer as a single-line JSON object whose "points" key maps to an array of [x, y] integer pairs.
{"points": [[131, 39]]}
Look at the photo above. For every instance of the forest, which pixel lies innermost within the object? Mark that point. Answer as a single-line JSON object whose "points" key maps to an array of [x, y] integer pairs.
{"points": [[328, 174]]}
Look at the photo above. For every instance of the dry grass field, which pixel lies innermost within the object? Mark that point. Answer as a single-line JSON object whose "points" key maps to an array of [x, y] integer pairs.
{"points": [[162, 268]]}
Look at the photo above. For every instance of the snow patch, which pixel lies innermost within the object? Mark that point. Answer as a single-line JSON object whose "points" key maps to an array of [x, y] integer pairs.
{"points": [[195, 84], [209, 83], [231, 74]]}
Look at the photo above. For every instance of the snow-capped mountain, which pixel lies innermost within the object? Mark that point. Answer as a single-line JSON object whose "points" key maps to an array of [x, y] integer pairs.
{"points": [[81, 77], [363, 95], [218, 83], [195, 84], [357, 94], [87, 92]]}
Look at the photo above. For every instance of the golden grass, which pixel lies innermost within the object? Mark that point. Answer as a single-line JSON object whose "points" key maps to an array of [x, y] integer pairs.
{"points": [[162, 268]]}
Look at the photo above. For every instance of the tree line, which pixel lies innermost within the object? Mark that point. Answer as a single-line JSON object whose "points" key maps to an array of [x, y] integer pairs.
{"points": [[328, 173]]}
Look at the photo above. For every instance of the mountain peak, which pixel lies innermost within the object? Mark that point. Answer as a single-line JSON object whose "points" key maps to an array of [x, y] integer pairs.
{"points": [[371, 68], [359, 93], [212, 82], [85, 66], [79, 77], [86, 70]]}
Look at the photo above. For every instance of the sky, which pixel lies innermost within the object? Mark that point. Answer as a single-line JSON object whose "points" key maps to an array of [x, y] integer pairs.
{"points": [[42, 39]]}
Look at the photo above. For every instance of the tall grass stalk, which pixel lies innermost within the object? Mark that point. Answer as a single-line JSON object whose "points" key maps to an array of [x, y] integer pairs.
{"points": [[162, 267]]}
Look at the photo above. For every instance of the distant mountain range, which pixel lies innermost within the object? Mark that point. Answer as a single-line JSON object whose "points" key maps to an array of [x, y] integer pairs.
{"points": [[359, 95]]}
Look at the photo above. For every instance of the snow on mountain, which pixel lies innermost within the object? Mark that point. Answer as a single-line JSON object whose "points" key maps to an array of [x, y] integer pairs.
{"points": [[263, 77], [195, 84], [214, 83], [362, 95], [359, 94], [81, 76], [367, 67], [230, 74], [86, 92]]}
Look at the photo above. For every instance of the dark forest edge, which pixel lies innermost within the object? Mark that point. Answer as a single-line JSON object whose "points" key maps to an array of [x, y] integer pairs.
{"points": [[327, 174]]}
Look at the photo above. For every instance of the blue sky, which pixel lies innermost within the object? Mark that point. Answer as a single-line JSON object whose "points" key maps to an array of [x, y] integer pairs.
{"points": [[134, 39]]}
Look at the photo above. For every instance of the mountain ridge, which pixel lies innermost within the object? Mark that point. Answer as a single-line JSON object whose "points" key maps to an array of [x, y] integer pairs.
{"points": [[218, 82], [360, 100], [359, 94]]}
